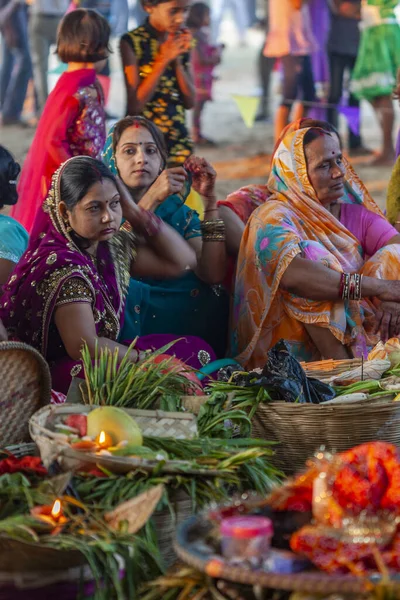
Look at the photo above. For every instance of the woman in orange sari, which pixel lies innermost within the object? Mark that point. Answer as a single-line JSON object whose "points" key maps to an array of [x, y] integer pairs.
{"points": [[238, 207], [302, 256]]}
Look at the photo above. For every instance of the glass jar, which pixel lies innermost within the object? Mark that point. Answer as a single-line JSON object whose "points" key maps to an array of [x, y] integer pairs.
{"points": [[246, 538]]}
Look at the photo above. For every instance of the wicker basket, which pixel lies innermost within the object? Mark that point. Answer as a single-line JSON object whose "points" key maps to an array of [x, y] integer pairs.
{"points": [[25, 387], [324, 370], [301, 429], [53, 445], [165, 525]]}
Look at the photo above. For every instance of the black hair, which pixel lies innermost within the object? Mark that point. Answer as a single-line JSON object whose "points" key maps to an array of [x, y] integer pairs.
{"points": [[318, 128], [150, 3], [78, 176], [197, 13], [83, 36], [139, 121], [9, 171]]}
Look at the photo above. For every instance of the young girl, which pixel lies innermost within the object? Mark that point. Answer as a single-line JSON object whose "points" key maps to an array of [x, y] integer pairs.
{"points": [[205, 57], [156, 63], [73, 119]]}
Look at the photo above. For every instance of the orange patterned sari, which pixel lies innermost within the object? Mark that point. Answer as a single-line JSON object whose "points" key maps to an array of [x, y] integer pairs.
{"points": [[294, 223]]}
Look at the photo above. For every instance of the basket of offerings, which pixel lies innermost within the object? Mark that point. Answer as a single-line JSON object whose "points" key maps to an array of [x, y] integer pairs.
{"points": [[333, 529], [328, 370], [302, 413], [25, 387], [115, 438], [55, 541]]}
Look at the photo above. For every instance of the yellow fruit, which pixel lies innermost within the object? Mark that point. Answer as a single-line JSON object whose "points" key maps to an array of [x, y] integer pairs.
{"points": [[116, 423]]}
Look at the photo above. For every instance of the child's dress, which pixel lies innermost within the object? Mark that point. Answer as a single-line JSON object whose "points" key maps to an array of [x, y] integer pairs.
{"points": [[205, 58], [72, 124], [165, 108], [379, 55]]}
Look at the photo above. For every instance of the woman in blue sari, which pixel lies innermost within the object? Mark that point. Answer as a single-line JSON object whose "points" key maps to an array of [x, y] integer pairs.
{"points": [[195, 304], [13, 237]]}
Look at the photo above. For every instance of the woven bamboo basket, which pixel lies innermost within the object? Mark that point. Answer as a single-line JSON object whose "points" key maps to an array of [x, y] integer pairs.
{"points": [[25, 386], [53, 446], [165, 525], [24, 561], [302, 429], [324, 370]]}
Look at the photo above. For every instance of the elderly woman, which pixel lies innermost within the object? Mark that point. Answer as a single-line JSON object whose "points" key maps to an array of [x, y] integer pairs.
{"points": [[318, 262]]}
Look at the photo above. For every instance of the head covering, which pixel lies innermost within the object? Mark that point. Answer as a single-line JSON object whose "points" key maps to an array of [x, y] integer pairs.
{"points": [[244, 201], [52, 258], [291, 223], [170, 211], [108, 155]]}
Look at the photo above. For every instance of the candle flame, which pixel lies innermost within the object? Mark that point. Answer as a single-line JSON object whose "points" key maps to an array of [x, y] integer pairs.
{"points": [[102, 437], [56, 510]]}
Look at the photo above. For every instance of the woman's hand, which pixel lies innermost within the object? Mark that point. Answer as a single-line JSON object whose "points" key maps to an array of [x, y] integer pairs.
{"points": [[128, 206], [171, 181], [389, 291], [175, 45], [388, 320], [203, 178]]}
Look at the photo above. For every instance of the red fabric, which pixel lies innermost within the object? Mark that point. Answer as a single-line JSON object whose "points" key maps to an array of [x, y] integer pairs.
{"points": [[50, 147], [30, 464], [58, 397]]}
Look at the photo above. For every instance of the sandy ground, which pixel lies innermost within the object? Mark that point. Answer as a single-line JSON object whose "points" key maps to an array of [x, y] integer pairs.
{"points": [[242, 154]]}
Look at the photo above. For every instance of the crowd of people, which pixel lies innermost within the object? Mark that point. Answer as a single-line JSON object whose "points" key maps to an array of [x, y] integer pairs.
{"points": [[101, 245]]}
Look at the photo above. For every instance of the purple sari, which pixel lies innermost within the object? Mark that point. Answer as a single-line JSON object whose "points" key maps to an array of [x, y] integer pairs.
{"points": [[53, 259]]}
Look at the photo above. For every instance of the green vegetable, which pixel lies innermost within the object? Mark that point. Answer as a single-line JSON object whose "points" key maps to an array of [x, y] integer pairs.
{"points": [[127, 384]]}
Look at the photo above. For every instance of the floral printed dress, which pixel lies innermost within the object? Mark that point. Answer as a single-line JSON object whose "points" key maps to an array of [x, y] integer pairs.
{"points": [[166, 108]]}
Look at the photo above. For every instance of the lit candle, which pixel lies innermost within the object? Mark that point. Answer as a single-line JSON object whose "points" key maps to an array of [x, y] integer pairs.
{"points": [[52, 515], [56, 512], [104, 440]]}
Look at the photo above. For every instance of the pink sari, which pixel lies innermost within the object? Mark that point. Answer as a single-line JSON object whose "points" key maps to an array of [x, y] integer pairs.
{"points": [[72, 123]]}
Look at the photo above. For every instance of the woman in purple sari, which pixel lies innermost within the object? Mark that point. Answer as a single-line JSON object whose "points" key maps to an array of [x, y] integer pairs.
{"points": [[71, 283]]}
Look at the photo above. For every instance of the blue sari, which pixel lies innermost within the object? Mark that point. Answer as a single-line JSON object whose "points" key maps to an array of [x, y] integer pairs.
{"points": [[13, 239], [183, 306]]}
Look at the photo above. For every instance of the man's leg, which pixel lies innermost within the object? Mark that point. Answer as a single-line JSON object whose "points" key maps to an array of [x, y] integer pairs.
{"points": [[22, 72], [336, 69]]}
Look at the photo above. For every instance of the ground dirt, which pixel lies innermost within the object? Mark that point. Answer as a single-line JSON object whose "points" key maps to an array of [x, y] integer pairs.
{"points": [[242, 155]]}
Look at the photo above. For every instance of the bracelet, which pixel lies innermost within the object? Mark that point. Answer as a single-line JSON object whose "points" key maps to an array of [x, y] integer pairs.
{"points": [[344, 286], [213, 231], [350, 286], [212, 226], [214, 237]]}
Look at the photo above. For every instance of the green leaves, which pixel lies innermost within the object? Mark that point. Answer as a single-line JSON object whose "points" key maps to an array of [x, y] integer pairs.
{"points": [[130, 385]]}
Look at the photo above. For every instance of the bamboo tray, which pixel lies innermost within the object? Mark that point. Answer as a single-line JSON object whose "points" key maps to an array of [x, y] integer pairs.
{"points": [[153, 423], [324, 370], [193, 548]]}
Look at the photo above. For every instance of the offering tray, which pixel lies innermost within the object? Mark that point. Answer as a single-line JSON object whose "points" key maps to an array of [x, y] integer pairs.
{"points": [[196, 547], [154, 423]]}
